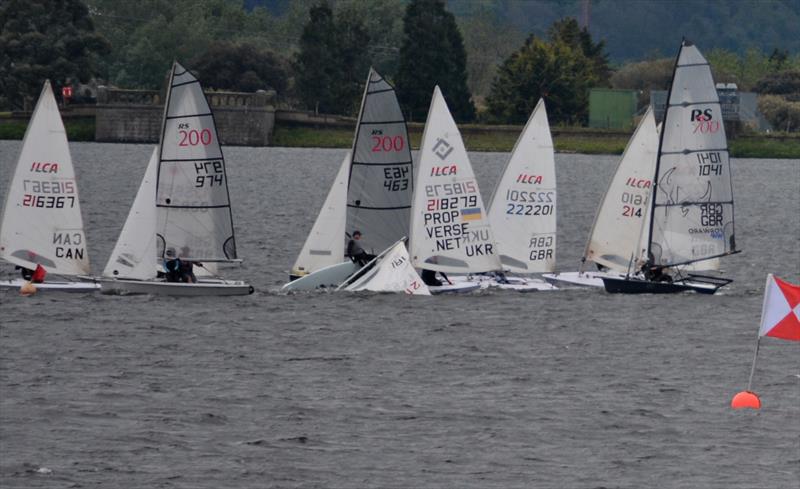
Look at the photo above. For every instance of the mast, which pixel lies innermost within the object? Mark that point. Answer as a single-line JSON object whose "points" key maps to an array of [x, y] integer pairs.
{"points": [[658, 156]]}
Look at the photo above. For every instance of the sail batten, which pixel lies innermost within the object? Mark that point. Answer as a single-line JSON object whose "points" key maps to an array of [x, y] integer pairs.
{"points": [[692, 206]]}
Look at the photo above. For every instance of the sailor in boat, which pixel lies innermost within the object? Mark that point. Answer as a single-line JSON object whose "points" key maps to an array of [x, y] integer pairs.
{"points": [[35, 276], [172, 265], [655, 273], [27, 273], [187, 268], [356, 252]]}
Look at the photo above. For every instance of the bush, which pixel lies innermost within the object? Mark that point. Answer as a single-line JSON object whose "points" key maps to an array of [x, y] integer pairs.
{"points": [[784, 115]]}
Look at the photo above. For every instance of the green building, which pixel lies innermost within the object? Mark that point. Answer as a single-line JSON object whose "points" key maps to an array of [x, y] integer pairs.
{"points": [[612, 109]]}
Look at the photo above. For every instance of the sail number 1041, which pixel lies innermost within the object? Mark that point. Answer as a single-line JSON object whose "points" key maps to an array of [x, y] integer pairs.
{"points": [[710, 163]]}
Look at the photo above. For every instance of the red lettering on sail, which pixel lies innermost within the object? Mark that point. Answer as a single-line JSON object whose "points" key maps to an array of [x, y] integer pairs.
{"points": [[44, 167]]}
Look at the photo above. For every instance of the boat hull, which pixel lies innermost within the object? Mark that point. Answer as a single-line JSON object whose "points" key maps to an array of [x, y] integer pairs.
{"points": [[75, 287], [329, 277], [517, 284], [624, 285], [579, 279], [215, 287], [454, 288]]}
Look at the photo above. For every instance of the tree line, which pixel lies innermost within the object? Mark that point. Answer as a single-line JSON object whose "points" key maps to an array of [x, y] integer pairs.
{"points": [[316, 55]]}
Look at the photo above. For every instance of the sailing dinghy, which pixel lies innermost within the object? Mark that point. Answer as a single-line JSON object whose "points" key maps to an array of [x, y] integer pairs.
{"points": [[450, 230], [617, 242], [182, 208], [391, 271], [379, 185], [41, 224], [522, 211], [691, 209]]}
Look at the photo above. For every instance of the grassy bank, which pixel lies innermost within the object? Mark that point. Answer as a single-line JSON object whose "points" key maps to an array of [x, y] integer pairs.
{"points": [[565, 142], [476, 138], [78, 129]]}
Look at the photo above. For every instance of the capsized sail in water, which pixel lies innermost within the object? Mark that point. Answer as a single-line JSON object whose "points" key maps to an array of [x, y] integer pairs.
{"points": [[380, 182]]}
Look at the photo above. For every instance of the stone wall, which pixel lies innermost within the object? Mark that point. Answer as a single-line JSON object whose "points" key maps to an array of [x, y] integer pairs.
{"points": [[243, 119]]}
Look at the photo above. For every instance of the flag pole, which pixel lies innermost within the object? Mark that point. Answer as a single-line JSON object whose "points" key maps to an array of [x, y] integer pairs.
{"points": [[753, 368]]}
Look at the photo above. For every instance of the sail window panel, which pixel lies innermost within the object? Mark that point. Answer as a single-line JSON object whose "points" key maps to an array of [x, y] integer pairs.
{"points": [[197, 234], [381, 144], [691, 233], [187, 100], [694, 128], [693, 178], [693, 84], [382, 106]]}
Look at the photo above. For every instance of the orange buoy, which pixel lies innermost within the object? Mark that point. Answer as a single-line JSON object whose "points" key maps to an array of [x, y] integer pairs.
{"points": [[746, 399], [27, 289]]}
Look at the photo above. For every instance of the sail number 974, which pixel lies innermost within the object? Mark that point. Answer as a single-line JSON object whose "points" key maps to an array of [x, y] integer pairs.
{"points": [[208, 172]]}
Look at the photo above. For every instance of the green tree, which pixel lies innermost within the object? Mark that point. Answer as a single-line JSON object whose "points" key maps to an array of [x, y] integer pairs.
{"points": [[568, 31], [43, 39], [552, 70], [240, 67], [432, 54], [332, 63]]}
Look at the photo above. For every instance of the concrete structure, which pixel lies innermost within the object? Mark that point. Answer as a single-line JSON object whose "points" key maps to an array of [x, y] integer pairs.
{"points": [[612, 109], [134, 116]]}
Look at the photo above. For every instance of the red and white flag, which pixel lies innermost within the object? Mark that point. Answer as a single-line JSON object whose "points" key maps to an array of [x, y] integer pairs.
{"points": [[780, 315]]}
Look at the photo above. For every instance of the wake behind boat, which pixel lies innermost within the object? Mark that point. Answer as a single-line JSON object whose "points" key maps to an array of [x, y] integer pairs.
{"points": [[41, 231], [182, 214]]}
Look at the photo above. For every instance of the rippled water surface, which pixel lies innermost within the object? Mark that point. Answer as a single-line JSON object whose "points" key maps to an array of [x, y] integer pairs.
{"points": [[575, 388]]}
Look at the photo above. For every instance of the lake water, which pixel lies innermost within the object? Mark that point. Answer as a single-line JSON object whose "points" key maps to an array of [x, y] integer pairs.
{"points": [[568, 389]]}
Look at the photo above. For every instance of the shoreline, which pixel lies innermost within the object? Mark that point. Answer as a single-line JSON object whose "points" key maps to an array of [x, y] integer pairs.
{"points": [[479, 138]]}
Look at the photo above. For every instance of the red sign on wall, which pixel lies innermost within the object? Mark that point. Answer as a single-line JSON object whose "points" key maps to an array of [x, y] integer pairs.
{"points": [[66, 92]]}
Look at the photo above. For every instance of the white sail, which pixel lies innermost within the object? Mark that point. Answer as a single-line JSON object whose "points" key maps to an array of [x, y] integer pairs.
{"points": [[194, 213], [135, 255], [618, 239], [450, 230], [523, 206], [324, 245], [42, 222], [392, 272], [692, 216], [381, 173]]}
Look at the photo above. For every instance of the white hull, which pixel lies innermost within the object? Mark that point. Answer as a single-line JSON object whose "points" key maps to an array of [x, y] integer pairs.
{"points": [[518, 284], [580, 279], [329, 277], [204, 287], [454, 288], [79, 287]]}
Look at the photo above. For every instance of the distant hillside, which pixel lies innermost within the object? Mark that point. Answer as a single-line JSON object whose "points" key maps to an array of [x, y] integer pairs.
{"points": [[639, 29]]}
